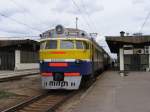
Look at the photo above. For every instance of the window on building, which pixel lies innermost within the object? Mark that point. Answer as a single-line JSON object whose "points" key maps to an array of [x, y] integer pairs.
{"points": [[146, 49], [29, 57], [127, 59], [144, 59], [66, 44]]}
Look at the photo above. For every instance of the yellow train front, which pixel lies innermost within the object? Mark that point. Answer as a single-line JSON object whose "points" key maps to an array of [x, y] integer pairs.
{"points": [[66, 58]]}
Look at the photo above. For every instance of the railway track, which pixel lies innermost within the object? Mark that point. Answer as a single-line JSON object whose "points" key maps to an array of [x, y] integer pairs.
{"points": [[46, 102], [43, 103]]}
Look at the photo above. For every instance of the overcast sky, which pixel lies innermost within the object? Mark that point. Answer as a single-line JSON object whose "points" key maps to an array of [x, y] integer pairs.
{"points": [[106, 17]]}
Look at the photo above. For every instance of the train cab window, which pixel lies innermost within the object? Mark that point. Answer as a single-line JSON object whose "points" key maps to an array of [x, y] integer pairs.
{"points": [[51, 44], [86, 45], [79, 45], [66, 44], [42, 45]]}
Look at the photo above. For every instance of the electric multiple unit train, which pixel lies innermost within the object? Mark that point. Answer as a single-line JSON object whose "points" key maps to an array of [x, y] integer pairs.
{"points": [[67, 57]]}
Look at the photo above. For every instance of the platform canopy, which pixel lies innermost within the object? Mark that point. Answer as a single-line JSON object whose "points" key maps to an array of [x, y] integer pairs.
{"points": [[4, 43], [19, 44], [116, 42]]}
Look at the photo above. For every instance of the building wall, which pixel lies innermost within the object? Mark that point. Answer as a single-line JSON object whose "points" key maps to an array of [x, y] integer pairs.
{"points": [[22, 66], [134, 58], [7, 60]]}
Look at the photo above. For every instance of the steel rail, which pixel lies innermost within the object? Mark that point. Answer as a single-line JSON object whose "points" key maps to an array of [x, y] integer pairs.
{"points": [[42, 103]]}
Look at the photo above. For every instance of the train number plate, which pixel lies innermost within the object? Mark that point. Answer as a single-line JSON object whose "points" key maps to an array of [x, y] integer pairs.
{"points": [[68, 83]]}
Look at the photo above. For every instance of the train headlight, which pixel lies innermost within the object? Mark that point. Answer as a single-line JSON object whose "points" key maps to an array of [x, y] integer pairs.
{"points": [[59, 29], [41, 61], [78, 61]]}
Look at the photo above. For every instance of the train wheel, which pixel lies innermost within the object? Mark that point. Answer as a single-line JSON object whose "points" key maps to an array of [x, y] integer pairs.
{"points": [[87, 81]]}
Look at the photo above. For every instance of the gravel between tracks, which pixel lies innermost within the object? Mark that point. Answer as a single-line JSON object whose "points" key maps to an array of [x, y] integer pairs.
{"points": [[23, 89]]}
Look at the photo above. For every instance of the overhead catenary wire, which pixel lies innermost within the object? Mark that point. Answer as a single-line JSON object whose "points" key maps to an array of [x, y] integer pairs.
{"points": [[20, 33], [18, 5], [89, 17], [144, 23], [29, 13], [3, 30], [76, 5], [25, 9], [18, 36], [19, 22]]}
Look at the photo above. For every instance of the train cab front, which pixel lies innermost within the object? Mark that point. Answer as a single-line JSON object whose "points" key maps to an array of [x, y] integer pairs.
{"points": [[63, 63], [56, 75]]}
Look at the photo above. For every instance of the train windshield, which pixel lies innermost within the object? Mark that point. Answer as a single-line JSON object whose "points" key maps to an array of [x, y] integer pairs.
{"points": [[79, 45], [42, 45], [85, 45], [51, 44], [82, 45], [66, 44]]}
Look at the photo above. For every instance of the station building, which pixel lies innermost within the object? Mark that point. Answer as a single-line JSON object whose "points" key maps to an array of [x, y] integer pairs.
{"points": [[18, 54], [133, 52]]}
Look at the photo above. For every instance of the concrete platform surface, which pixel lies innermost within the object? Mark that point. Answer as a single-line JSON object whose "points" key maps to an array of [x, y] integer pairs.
{"points": [[113, 93], [5, 74]]}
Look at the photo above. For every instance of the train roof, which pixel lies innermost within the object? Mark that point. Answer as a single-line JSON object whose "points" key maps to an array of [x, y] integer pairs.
{"points": [[71, 38], [60, 31], [68, 33], [67, 29]]}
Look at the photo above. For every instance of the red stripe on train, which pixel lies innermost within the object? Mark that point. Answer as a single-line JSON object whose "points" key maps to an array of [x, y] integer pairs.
{"points": [[71, 74], [57, 52], [58, 64]]}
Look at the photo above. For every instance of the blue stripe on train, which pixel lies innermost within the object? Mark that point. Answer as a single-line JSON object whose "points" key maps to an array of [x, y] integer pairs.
{"points": [[84, 68]]}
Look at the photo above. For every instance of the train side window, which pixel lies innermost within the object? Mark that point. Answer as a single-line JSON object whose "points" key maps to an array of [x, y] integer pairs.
{"points": [[42, 45], [51, 44], [79, 45], [66, 44], [86, 45]]}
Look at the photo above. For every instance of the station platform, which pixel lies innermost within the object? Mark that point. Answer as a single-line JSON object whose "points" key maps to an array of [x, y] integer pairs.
{"points": [[9, 74], [113, 93]]}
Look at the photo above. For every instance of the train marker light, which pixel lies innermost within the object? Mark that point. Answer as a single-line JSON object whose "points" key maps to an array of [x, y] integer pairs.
{"points": [[72, 74], [58, 64], [78, 61]]}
